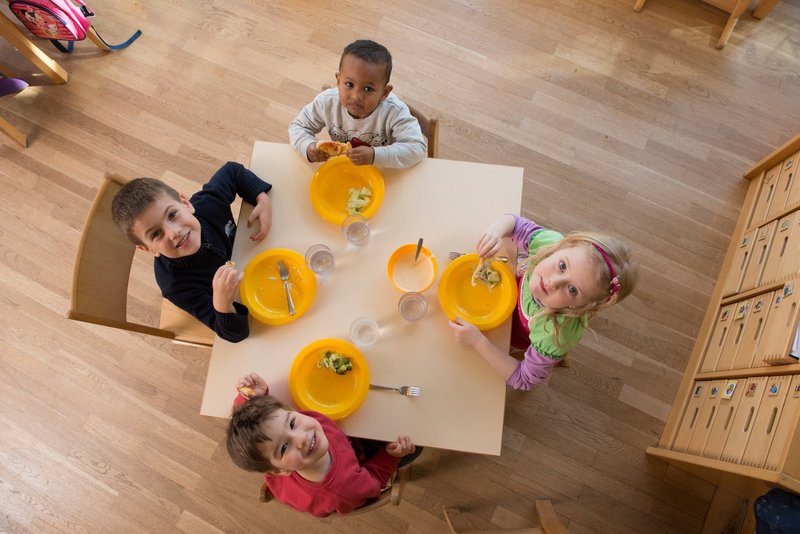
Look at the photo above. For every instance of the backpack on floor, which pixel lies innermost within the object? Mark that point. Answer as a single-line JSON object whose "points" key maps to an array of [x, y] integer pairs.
{"points": [[60, 20]]}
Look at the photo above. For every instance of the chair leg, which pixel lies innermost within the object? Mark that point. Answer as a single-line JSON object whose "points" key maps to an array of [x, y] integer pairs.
{"points": [[13, 133], [737, 11], [93, 37], [639, 5]]}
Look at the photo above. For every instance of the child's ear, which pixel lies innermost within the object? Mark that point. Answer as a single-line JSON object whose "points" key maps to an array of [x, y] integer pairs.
{"points": [[147, 249], [185, 202], [337, 78], [386, 90]]}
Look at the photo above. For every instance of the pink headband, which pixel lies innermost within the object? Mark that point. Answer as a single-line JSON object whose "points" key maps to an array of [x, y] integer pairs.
{"points": [[614, 277]]}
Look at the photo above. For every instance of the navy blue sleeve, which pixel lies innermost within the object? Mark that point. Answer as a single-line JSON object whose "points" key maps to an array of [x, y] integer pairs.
{"points": [[234, 179], [198, 302]]}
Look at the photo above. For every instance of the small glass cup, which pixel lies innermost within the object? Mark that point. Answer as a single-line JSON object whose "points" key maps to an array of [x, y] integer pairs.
{"points": [[413, 306], [356, 229], [364, 331], [320, 259]]}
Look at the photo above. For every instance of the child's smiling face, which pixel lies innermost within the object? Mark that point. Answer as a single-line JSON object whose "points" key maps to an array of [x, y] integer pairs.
{"points": [[297, 441], [565, 279], [168, 227], [361, 85]]}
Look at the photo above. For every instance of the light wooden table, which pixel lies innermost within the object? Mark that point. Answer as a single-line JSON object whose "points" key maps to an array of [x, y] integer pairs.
{"points": [[448, 203]]}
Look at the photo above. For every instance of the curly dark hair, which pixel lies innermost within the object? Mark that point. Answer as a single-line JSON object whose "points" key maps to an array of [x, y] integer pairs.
{"points": [[371, 52]]}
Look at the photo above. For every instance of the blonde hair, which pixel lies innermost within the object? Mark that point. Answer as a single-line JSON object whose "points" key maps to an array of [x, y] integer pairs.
{"points": [[624, 268]]}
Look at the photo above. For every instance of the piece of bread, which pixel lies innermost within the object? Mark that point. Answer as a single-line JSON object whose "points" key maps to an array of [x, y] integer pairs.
{"points": [[333, 148], [246, 391]]}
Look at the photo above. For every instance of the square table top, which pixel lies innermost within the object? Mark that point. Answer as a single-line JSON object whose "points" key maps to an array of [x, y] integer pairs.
{"points": [[448, 203]]}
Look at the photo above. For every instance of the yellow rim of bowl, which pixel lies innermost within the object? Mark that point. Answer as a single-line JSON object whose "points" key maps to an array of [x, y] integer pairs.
{"points": [[410, 249]]}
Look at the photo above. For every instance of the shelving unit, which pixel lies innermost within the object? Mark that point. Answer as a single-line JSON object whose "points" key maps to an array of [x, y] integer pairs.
{"points": [[738, 406]]}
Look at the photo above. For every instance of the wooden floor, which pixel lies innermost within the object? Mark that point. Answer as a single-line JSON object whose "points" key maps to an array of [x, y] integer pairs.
{"points": [[633, 124]]}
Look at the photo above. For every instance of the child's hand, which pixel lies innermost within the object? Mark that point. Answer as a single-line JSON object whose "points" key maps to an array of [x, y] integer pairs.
{"points": [[262, 212], [489, 244], [225, 287], [361, 155], [466, 332], [254, 382], [315, 155], [402, 447]]}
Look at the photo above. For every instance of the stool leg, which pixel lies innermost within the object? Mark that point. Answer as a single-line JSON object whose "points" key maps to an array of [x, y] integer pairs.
{"points": [[737, 11], [764, 7], [639, 5], [13, 133]]}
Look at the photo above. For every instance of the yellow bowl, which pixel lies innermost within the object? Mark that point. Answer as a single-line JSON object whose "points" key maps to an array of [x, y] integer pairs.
{"points": [[262, 288], [407, 275], [324, 391], [331, 185], [484, 307]]}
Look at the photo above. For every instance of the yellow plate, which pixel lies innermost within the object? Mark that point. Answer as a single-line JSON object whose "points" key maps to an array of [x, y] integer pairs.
{"points": [[262, 289], [324, 391], [331, 185], [485, 308]]}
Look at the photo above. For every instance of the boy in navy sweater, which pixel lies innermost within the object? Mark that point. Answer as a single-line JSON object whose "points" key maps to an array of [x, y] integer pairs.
{"points": [[192, 239]]}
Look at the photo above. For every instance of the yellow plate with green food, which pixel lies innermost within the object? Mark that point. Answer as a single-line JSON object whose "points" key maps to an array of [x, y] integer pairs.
{"points": [[485, 307], [322, 389], [334, 182]]}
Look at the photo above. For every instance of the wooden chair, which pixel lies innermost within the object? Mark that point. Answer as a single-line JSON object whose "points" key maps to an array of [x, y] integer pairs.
{"points": [[391, 494], [735, 8], [428, 125], [550, 524], [101, 273]]}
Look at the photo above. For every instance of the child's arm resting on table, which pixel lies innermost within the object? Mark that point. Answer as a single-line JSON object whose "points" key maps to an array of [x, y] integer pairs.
{"points": [[234, 179], [532, 370]]}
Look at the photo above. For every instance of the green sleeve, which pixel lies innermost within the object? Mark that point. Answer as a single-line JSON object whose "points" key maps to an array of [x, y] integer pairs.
{"points": [[571, 331]]}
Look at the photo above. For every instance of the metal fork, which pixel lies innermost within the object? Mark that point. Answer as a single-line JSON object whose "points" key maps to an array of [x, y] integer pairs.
{"points": [[454, 255], [284, 272], [408, 391]]}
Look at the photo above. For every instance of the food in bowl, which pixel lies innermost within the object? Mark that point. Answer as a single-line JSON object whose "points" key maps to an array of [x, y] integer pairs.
{"points": [[359, 199], [408, 274], [335, 361]]}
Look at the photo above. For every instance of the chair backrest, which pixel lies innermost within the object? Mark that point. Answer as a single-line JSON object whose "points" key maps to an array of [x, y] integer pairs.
{"points": [[391, 494], [428, 125], [102, 270], [548, 520], [430, 129]]}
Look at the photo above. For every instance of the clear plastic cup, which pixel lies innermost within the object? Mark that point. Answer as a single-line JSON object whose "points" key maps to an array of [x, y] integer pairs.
{"points": [[356, 229], [364, 331], [413, 306], [320, 259]]}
